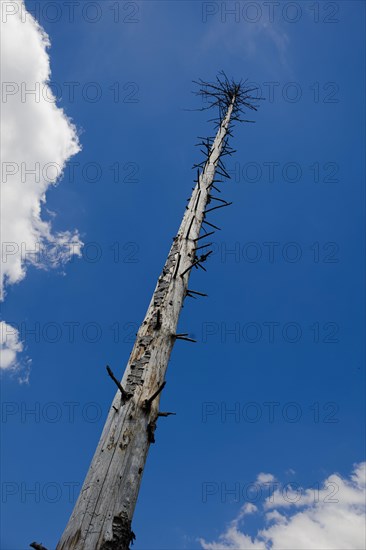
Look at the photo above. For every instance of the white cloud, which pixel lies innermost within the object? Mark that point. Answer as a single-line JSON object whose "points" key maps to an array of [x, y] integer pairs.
{"points": [[248, 508], [36, 136], [328, 518], [233, 539], [265, 478], [10, 346]]}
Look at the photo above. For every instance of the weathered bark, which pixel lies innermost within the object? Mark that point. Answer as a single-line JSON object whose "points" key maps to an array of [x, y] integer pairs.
{"points": [[102, 516]]}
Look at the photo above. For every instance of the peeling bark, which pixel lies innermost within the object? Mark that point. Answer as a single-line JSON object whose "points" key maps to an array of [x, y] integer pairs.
{"points": [[123, 536]]}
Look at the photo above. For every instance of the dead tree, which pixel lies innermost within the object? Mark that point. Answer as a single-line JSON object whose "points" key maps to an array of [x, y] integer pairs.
{"points": [[101, 519]]}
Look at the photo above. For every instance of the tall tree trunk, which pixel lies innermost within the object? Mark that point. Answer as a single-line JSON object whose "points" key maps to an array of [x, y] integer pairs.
{"points": [[101, 519], [102, 516]]}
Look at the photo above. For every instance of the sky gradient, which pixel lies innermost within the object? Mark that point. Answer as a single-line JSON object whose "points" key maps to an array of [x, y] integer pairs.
{"points": [[280, 339]]}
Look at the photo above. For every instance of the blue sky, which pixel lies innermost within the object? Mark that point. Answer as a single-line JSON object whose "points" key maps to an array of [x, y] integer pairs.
{"points": [[298, 266]]}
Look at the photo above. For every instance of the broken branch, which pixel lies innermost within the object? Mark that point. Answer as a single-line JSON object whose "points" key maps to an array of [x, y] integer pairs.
{"points": [[124, 394], [184, 336], [147, 402], [220, 206], [203, 236]]}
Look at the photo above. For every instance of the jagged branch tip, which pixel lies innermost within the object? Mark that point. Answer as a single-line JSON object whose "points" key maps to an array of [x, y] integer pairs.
{"points": [[222, 92]]}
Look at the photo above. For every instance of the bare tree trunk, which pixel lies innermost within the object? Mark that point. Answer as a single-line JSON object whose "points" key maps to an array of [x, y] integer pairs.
{"points": [[103, 512], [101, 519]]}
